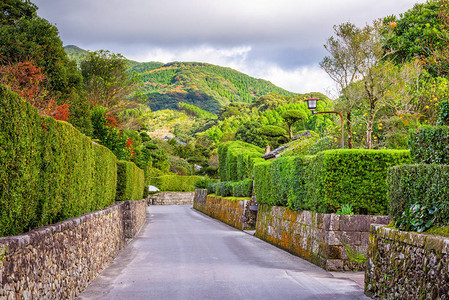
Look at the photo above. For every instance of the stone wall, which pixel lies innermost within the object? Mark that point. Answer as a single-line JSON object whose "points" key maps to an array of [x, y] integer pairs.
{"points": [[172, 198], [407, 265], [232, 211], [58, 261], [134, 216], [333, 242]]}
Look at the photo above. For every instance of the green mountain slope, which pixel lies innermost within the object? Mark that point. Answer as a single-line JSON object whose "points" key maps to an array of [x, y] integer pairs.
{"points": [[207, 86]]}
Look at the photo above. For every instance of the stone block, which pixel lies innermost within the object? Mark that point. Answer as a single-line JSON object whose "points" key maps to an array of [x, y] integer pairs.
{"points": [[334, 265], [434, 243], [364, 238], [352, 238], [355, 223], [333, 238]]}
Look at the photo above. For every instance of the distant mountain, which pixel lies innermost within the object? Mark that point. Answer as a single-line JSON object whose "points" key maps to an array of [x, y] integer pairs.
{"points": [[207, 86], [75, 53]]}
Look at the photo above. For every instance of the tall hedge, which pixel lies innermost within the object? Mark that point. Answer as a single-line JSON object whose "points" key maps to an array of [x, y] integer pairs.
{"points": [[328, 180], [423, 184], [236, 160], [354, 176], [175, 183], [49, 171], [430, 145], [130, 181]]}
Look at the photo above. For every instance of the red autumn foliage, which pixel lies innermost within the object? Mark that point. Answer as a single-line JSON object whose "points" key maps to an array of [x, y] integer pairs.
{"points": [[26, 80], [112, 121]]}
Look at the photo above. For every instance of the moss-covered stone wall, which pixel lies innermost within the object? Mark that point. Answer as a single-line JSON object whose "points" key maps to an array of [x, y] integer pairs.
{"points": [[333, 242], [232, 211], [407, 265], [58, 261]]}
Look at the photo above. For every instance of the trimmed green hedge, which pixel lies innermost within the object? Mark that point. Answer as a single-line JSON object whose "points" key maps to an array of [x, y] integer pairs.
{"points": [[236, 160], [241, 188], [175, 183], [354, 176], [430, 145], [49, 170], [326, 181], [426, 185], [130, 181]]}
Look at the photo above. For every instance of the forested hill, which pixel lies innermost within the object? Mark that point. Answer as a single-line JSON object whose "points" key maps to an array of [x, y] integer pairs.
{"points": [[207, 86]]}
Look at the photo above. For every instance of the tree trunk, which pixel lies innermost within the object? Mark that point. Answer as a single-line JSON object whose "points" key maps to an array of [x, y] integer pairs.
{"points": [[290, 131], [349, 129]]}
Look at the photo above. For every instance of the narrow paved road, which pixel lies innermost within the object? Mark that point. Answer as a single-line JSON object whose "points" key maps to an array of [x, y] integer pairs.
{"points": [[183, 254]]}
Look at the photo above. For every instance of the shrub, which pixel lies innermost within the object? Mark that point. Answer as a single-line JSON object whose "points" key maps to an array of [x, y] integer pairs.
{"points": [[211, 187], [262, 183], [443, 113], [49, 171], [430, 145], [353, 176], [422, 185], [175, 183], [329, 180], [224, 189], [242, 188], [236, 160], [286, 177], [325, 143], [130, 181], [202, 182]]}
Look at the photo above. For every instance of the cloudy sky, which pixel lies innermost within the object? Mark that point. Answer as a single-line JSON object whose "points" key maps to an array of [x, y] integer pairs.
{"points": [[277, 40]]}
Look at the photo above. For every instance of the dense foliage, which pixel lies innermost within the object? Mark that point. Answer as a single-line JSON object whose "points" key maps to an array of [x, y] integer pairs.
{"points": [[237, 159], [419, 196], [327, 181], [50, 171], [130, 181], [175, 183], [241, 188], [430, 145]]}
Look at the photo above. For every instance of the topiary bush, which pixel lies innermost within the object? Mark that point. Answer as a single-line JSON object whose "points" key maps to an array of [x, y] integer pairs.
{"points": [[236, 160], [175, 183], [130, 181], [328, 180], [420, 186], [49, 170], [351, 176], [430, 145], [242, 188]]}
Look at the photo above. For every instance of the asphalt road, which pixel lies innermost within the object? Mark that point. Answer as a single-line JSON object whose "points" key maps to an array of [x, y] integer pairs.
{"points": [[183, 254]]}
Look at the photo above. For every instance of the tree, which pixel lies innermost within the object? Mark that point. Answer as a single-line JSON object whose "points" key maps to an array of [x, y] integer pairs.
{"points": [[343, 65], [12, 10], [291, 117], [419, 33], [105, 78]]}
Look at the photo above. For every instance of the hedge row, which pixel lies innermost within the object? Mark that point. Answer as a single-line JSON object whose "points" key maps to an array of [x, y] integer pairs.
{"points": [[236, 160], [242, 188], [49, 171], [426, 185], [326, 181], [175, 183], [130, 181], [430, 145]]}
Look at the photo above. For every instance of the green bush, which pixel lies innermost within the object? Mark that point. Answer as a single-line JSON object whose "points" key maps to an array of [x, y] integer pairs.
{"points": [[353, 176], [287, 178], [423, 185], [242, 188], [211, 187], [328, 180], [325, 143], [236, 160], [175, 183], [130, 181], [49, 170], [430, 145], [262, 183], [203, 182], [224, 189]]}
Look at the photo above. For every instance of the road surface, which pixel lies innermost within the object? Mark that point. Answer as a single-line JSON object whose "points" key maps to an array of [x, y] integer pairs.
{"points": [[183, 254]]}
